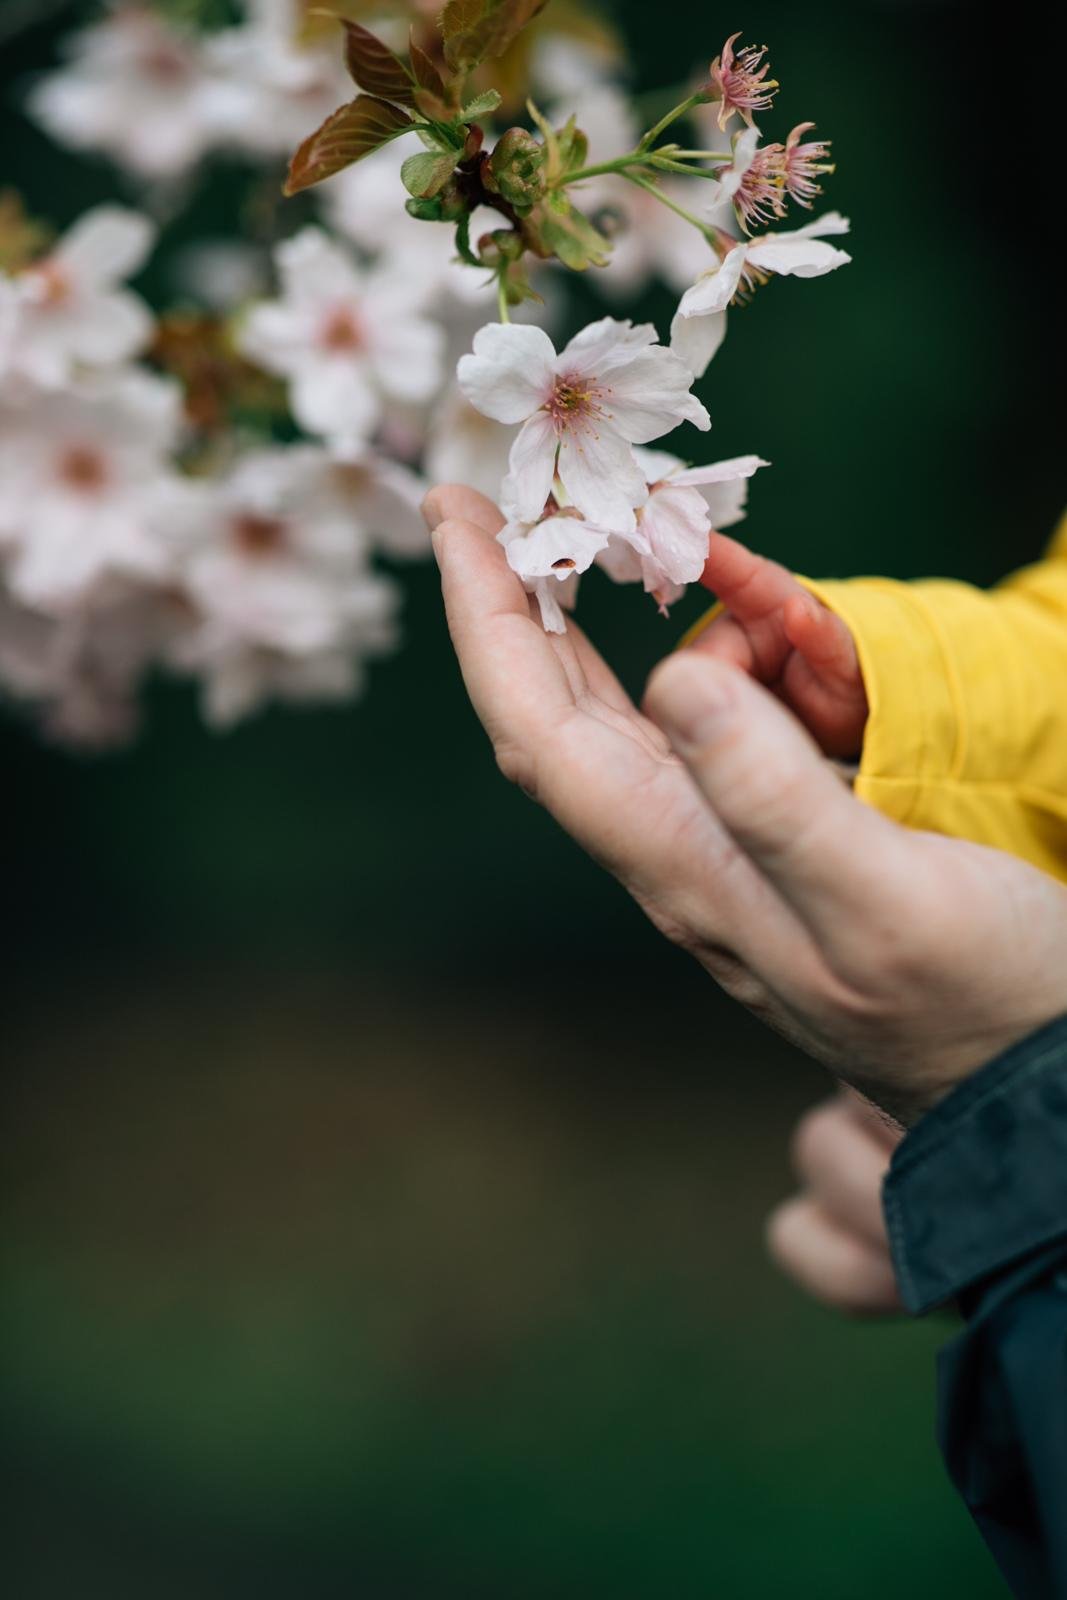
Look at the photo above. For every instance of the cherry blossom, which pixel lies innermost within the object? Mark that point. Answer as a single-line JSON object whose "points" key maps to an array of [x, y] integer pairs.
{"points": [[549, 556], [82, 473], [738, 81], [699, 324], [669, 546], [581, 411], [138, 88], [345, 338], [69, 310], [275, 566]]}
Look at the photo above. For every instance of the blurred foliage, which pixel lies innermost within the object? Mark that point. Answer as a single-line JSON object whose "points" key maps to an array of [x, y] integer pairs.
{"points": [[385, 1195]]}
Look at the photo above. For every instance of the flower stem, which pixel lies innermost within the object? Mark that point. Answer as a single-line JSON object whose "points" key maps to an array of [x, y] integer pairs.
{"points": [[634, 159], [672, 205], [502, 299], [677, 111]]}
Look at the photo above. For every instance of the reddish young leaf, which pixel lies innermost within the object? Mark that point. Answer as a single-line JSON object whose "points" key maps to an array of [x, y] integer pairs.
{"points": [[348, 135], [474, 30], [432, 95], [374, 67]]}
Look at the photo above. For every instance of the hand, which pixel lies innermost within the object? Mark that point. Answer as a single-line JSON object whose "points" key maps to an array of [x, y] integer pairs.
{"points": [[903, 960], [831, 1238], [776, 631]]}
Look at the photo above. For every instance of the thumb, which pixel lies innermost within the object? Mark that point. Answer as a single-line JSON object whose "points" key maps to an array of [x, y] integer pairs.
{"points": [[825, 852]]}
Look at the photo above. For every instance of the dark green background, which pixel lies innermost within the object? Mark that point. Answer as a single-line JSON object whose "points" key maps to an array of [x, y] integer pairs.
{"points": [[384, 1197]]}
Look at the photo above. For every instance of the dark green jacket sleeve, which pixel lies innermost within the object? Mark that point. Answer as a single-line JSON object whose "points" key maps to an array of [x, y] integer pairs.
{"points": [[976, 1205]]}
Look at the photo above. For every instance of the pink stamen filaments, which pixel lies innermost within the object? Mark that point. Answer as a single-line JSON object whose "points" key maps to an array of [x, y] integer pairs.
{"points": [[571, 401], [759, 197], [739, 82], [804, 163], [83, 469]]}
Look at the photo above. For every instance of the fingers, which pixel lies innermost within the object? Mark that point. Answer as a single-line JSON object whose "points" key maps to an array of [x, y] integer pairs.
{"points": [[455, 502], [822, 639], [726, 640], [840, 1268], [838, 864], [842, 1163], [517, 682], [749, 586]]}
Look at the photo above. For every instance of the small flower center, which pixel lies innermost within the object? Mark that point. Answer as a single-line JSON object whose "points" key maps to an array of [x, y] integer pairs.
{"points": [[571, 399], [83, 469], [256, 535], [341, 330]]}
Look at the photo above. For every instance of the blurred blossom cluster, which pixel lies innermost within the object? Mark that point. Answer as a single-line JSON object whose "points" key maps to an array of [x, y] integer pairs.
{"points": [[221, 488]]}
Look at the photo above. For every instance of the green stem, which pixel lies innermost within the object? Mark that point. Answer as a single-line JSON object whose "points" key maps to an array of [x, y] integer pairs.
{"points": [[672, 116], [502, 299], [668, 164], [636, 158], [672, 205]]}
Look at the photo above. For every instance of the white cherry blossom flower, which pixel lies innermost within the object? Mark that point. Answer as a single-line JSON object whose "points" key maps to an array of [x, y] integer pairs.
{"points": [[669, 547], [82, 473], [699, 324], [70, 310], [549, 556], [345, 338], [581, 411], [275, 566], [382, 497], [139, 89]]}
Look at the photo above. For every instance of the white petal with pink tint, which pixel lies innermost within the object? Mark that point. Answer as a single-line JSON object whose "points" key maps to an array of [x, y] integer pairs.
{"points": [[511, 371]]}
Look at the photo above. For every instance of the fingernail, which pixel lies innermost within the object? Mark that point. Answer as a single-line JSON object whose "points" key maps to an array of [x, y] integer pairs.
{"points": [[692, 698], [431, 510], [436, 540]]}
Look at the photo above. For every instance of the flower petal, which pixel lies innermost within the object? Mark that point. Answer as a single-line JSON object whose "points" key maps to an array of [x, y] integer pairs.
{"points": [[719, 471], [797, 257], [604, 346], [714, 290], [511, 370], [676, 524], [106, 245], [555, 548], [601, 477], [531, 468], [650, 395], [696, 339]]}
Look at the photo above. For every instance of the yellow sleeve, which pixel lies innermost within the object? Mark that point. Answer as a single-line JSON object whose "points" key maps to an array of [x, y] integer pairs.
{"points": [[967, 688]]}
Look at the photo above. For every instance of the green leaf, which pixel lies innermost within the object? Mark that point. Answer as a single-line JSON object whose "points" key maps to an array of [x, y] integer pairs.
{"points": [[373, 66], [562, 231], [481, 105], [475, 30], [423, 175], [351, 133]]}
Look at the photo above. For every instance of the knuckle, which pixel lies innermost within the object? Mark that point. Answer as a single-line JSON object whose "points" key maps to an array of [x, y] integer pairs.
{"points": [[814, 1137]]}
